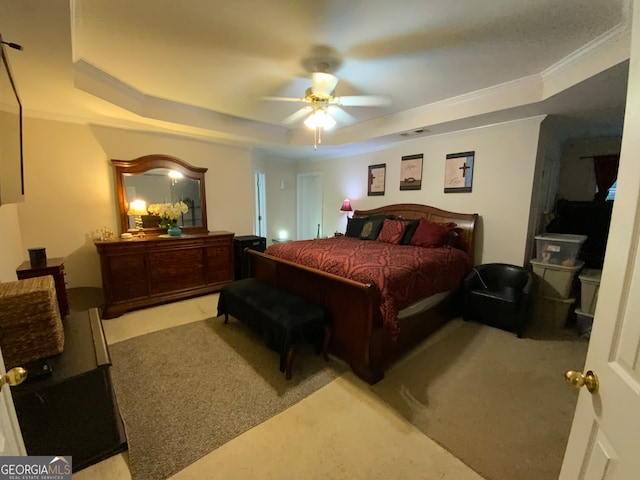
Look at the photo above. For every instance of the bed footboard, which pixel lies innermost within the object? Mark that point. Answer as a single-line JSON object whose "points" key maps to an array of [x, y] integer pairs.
{"points": [[352, 306]]}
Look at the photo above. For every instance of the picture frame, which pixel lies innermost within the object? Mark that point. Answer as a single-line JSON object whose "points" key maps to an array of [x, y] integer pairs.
{"points": [[376, 179], [411, 172], [458, 172]]}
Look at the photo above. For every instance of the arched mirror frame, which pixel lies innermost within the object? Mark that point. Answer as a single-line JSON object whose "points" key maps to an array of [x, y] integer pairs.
{"points": [[149, 162]]}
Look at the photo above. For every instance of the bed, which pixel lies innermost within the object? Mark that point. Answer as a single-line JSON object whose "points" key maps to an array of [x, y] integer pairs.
{"points": [[370, 331]]}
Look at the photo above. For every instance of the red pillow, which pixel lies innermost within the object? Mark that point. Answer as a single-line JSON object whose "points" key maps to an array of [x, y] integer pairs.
{"points": [[392, 231], [430, 234]]}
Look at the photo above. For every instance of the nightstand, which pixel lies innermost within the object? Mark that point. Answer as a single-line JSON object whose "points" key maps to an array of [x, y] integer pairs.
{"points": [[54, 267]]}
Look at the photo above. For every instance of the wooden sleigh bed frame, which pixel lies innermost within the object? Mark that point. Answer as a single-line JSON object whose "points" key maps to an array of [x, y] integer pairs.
{"points": [[359, 336]]}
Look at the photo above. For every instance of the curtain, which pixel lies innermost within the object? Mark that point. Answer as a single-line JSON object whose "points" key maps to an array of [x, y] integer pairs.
{"points": [[606, 169]]}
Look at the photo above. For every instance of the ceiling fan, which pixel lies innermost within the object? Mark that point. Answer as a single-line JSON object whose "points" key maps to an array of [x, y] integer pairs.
{"points": [[322, 103]]}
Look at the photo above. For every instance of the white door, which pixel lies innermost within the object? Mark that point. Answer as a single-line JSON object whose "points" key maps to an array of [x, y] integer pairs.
{"points": [[309, 206], [605, 435], [11, 443]]}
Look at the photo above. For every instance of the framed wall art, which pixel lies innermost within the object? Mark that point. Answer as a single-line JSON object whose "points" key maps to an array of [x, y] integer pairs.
{"points": [[377, 176], [411, 172], [458, 172]]}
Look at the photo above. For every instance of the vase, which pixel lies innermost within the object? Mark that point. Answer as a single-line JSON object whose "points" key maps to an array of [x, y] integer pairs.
{"points": [[174, 231]]}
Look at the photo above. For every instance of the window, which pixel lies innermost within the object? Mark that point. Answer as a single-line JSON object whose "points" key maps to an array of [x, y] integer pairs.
{"points": [[611, 194]]}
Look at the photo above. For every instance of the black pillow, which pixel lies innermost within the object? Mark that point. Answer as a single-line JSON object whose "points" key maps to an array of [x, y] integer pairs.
{"points": [[409, 231], [354, 227], [371, 228], [451, 239]]}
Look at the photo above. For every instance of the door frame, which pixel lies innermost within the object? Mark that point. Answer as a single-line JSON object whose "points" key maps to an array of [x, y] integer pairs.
{"points": [[11, 442]]}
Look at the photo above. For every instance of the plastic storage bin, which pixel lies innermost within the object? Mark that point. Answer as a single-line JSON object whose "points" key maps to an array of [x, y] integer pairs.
{"points": [[552, 313], [558, 248], [584, 323], [556, 281], [589, 286]]}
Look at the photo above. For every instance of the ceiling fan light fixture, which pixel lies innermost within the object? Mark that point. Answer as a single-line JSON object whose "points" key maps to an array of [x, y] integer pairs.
{"points": [[320, 119]]}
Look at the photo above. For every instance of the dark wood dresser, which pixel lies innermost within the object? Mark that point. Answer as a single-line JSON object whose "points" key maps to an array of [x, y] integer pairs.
{"points": [[54, 267], [141, 272], [73, 408]]}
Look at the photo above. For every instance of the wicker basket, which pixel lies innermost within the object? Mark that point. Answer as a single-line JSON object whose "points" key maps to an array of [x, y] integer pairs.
{"points": [[30, 324]]}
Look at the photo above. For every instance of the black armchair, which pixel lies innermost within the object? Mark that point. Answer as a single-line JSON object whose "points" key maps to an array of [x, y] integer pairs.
{"points": [[500, 295]]}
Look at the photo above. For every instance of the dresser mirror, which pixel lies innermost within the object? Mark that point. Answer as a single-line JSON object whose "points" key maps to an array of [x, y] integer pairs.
{"points": [[158, 179]]}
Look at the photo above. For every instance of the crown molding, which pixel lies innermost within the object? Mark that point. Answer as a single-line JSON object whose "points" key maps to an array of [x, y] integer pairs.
{"points": [[95, 81], [621, 33]]}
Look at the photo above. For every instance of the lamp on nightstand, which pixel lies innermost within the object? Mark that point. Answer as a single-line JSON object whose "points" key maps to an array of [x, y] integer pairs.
{"points": [[138, 208], [346, 206]]}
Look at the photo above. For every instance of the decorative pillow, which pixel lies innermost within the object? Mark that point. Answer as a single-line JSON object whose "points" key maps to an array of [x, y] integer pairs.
{"points": [[451, 238], [409, 231], [371, 228], [354, 226], [392, 231], [430, 234]]}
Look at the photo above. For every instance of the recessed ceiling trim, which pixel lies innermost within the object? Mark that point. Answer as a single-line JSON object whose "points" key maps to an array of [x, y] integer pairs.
{"points": [[95, 81], [579, 65]]}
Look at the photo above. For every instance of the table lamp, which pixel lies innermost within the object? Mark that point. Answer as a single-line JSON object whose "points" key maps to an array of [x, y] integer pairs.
{"points": [[138, 208], [346, 206]]}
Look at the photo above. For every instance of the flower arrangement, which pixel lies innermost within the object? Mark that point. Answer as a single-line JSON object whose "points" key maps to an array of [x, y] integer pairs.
{"points": [[168, 212]]}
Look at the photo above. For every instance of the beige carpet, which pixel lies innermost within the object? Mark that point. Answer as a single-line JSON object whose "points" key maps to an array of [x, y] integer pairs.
{"points": [[498, 403], [187, 390]]}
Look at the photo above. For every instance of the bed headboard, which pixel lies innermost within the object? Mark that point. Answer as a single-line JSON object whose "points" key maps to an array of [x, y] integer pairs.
{"points": [[466, 222]]}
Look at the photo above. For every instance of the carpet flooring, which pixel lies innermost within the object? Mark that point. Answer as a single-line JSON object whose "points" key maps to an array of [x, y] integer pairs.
{"points": [[187, 390], [497, 402]]}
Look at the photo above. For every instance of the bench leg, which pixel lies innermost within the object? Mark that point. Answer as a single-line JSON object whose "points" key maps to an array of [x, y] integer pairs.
{"points": [[325, 344], [290, 354]]}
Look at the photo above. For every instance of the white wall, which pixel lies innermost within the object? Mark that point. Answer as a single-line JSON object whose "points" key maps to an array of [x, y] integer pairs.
{"points": [[70, 192], [10, 242], [505, 159], [545, 182]]}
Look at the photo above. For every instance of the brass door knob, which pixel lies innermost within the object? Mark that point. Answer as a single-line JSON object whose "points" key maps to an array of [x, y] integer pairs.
{"points": [[14, 377], [579, 379]]}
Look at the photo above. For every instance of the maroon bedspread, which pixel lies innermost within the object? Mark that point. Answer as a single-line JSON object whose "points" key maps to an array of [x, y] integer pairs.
{"points": [[403, 273]]}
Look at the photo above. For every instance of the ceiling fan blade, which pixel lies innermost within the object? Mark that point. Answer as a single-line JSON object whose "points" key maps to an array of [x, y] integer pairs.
{"points": [[342, 117], [297, 115], [364, 101], [323, 83], [284, 99]]}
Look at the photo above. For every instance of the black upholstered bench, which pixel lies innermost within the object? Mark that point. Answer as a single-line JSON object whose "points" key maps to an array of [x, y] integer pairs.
{"points": [[284, 320]]}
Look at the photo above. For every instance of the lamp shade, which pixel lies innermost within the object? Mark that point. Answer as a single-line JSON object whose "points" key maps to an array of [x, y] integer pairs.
{"points": [[346, 206], [137, 207], [320, 119], [323, 84]]}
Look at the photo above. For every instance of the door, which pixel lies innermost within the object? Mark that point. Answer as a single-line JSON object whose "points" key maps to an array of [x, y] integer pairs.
{"points": [[11, 443], [309, 206], [605, 439], [261, 205]]}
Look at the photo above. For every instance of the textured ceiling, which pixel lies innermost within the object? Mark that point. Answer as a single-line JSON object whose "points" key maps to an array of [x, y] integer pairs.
{"points": [[199, 67]]}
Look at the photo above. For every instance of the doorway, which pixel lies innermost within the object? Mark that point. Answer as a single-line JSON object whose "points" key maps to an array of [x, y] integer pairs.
{"points": [[310, 186]]}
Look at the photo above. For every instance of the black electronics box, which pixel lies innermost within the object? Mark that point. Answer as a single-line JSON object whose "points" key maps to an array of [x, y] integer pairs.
{"points": [[240, 243]]}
